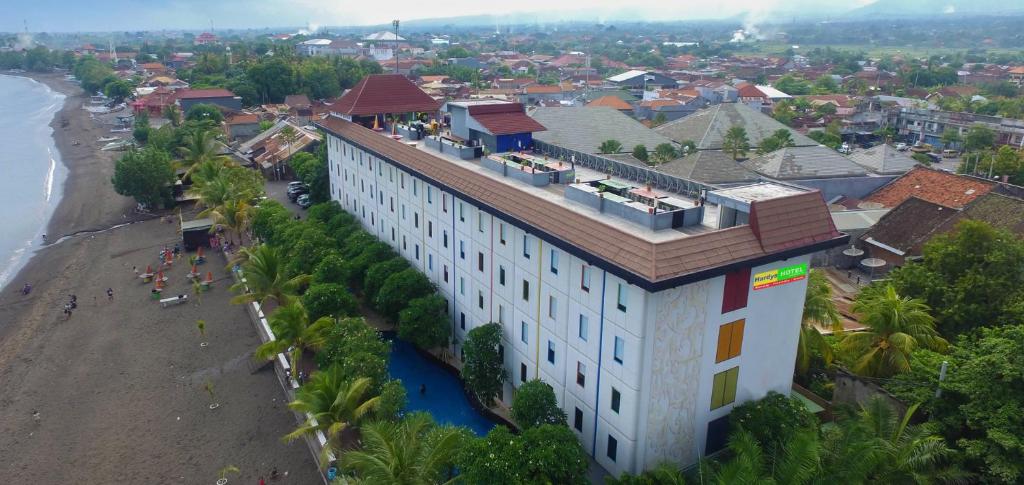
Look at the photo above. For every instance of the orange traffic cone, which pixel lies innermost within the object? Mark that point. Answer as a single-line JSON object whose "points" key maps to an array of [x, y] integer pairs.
{"points": [[209, 277], [195, 271], [169, 258]]}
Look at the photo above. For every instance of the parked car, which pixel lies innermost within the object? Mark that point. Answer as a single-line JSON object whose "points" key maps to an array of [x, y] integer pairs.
{"points": [[902, 147], [295, 192], [303, 201], [950, 153]]}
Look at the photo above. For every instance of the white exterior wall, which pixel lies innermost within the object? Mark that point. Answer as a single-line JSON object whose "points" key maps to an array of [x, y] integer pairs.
{"points": [[669, 338]]}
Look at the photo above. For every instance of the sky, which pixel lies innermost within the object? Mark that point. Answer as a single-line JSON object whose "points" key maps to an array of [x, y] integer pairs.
{"points": [[133, 15]]}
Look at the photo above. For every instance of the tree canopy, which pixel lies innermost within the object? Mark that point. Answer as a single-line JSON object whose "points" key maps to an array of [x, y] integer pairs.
{"points": [[145, 175]]}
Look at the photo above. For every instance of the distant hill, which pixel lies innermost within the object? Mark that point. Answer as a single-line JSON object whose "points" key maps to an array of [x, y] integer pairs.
{"points": [[935, 8]]}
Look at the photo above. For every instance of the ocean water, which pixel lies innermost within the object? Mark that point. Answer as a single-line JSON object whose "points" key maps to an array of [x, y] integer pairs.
{"points": [[31, 173]]}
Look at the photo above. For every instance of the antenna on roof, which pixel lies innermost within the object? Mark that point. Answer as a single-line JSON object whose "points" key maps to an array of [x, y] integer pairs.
{"points": [[395, 24]]}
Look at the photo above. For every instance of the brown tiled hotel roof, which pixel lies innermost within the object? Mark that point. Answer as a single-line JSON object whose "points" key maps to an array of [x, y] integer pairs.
{"points": [[780, 228], [384, 93], [504, 119]]}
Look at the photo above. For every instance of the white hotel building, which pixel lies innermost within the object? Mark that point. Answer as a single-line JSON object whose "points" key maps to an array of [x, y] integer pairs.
{"points": [[648, 336]]}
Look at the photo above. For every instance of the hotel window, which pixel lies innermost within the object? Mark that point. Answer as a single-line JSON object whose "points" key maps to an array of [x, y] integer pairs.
{"points": [[730, 341], [380, 196], [501, 352], [526, 246], [522, 373], [392, 201], [551, 352], [621, 298], [480, 261], [734, 295], [620, 348], [723, 389], [401, 180], [416, 219], [462, 320], [430, 195], [613, 448], [462, 286], [480, 299], [415, 187], [585, 278], [584, 323], [480, 221], [430, 228], [445, 237], [501, 233], [577, 420], [552, 306], [362, 186], [392, 234], [501, 275], [526, 290], [616, 399], [446, 273], [501, 314], [462, 212], [403, 212], [462, 249], [403, 243], [581, 374], [554, 261], [444, 202], [417, 252], [430, 262], [391, 174], [524, 329]]}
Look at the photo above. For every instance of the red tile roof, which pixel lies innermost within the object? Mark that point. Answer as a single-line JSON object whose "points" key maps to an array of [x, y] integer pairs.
{"points": [[934, 186], [751, 91], [205, 93], [611, 102], [505, 119], [384, 93], [658, 265], [542, 89]]}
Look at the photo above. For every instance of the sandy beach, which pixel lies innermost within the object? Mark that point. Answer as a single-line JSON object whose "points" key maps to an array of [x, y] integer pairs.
{"points": [[119, 387]]}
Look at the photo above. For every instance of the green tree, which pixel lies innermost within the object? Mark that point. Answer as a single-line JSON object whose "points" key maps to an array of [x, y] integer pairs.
{"points": [[950, 138], [357, 349], [200, 146], [659, 119], [640, 153], [141, 129], [393, 400], [895, 327], [377, 274], [145, 175], [329, 269], [399, 289], [543, 454], [424, 322], [970, 277], [535, 404], [265, 277], [205, 112], [735, 142], [979, 137], [173, 114], [334, 403], [413, 451], [825, 109], [819, 311], [688, 146], [329, 300], [234, 215], [294, 331], [610, 146], [662, 474], [825, 85], [118, 90], [484, 371], [318, 79], [773, 421], [665, 152], [273, 79], [792, 85], [795, 464]]}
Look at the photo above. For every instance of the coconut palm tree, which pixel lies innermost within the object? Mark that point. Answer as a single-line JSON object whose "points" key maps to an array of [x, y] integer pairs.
{"points": [[799, 461], [736, 142], [265, 277], [333, 404], [819, 310], [413, 451], [294, 332], [200, 146], [232, 214], [895, 327]]}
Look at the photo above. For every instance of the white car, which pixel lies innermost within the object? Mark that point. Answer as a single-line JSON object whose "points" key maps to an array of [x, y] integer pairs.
{"points": [[902, 147]]}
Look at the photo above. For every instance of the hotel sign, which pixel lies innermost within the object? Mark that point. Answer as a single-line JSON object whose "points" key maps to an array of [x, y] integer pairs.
{"points": [[780, 276]]}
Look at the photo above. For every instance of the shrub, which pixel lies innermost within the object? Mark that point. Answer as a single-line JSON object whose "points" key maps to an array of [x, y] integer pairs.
{"points": [[484, 371], [425, 322], [772, 420], [358, 349], [379, 273], [330, 269], [535, 404], [329, 299], [399, 289]]}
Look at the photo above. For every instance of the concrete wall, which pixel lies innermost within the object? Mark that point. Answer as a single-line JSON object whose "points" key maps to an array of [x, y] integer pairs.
{"points": [[854, 391]]}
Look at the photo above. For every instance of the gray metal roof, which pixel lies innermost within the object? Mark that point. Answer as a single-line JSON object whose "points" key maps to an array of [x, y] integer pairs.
{"points": [[804, 163], [584, 128], [204, 223], [857, 220], [708, 166], [708, 126], [883, 159]]}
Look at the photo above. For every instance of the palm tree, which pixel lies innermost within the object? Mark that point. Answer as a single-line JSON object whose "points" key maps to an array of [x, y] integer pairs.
{"points": [[784, 137], [293, 331], [819, 310], [895, 327], [610, 146], [735, 142], [906, 453], [799, 461], [200, 146], [265, 277], [333, 404], [413, 451], [233, 214]]}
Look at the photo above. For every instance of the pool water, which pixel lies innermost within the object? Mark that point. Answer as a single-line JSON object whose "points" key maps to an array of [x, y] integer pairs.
{"points": [[444, 398]]}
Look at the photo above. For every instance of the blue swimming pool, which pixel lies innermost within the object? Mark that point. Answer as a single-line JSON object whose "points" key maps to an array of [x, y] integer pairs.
{"points": [[444, 398]]}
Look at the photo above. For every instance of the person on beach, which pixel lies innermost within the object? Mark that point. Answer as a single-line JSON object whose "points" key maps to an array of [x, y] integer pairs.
{"points": [[135, 269], [110, 294], [423, 388], [26, 289], [67, 311]]}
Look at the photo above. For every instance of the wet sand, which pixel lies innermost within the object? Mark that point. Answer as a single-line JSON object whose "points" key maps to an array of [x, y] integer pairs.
{"points": [[119, 387]]}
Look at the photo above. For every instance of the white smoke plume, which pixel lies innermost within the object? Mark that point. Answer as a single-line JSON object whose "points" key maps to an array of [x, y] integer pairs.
{"points": [[23, 41]]}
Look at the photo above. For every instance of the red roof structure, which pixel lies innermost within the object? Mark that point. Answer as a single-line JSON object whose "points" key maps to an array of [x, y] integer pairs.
{"points": [[384, 93], [611, 102], [504, 119], [751, 91], [205, 93], [937, 187]]}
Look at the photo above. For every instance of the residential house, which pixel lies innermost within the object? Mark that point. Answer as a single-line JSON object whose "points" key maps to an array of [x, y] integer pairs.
{"points": [[498, 126], [299, 107], [242, 125], [537, 93], [206, 38], [187, 98], [642, 80], [613, 102]]}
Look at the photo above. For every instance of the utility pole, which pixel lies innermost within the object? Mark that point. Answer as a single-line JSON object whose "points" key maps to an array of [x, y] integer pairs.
{"points": [[942, 377]]}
